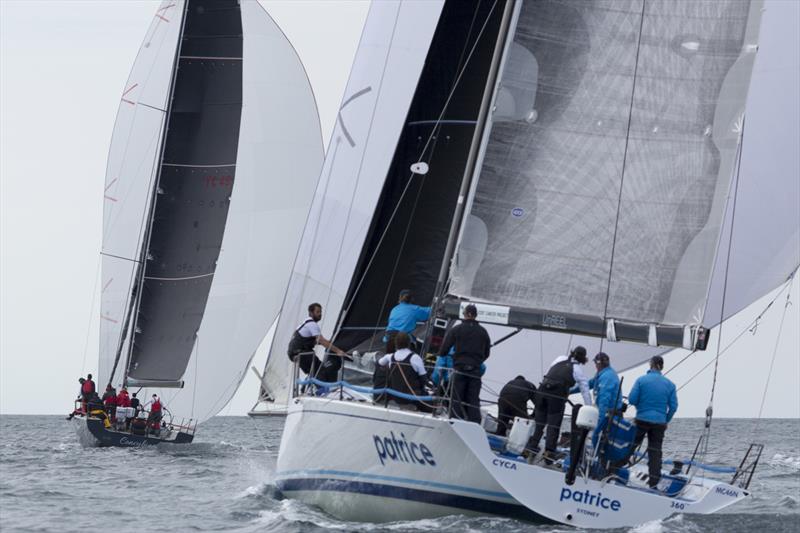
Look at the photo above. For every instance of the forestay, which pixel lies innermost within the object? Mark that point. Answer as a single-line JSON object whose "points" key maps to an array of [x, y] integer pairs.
{"points": [[387, 65], [601, 193], [277, 159]]}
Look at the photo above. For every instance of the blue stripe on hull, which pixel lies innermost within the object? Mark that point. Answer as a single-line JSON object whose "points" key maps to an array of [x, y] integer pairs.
{"points": [[477, 505]]}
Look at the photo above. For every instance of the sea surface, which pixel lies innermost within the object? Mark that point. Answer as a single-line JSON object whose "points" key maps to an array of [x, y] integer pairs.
{"points": [[224, 482]]}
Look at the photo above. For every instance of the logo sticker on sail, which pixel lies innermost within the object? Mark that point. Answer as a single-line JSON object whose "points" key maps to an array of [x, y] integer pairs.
{"points": [[517, 212]]}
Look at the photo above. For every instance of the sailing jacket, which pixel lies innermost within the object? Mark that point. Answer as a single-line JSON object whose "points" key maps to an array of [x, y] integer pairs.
{"points": [[88, 387], [404, 317], [471, 342], [605, 386], [655, 398]]}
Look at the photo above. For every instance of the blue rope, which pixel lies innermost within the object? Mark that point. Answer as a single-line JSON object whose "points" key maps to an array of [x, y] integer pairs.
{"points": [[365, 390]]}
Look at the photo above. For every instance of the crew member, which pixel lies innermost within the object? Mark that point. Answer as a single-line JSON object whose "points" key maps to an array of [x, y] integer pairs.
{"points": [[305, 337], [87, 390], [156, 408], [407, 372], [123, 400], [403, 318], [656, 401], [90, 384], [110, 401], [513, 402], [552, 395], [607, 396], [135, 404], [472, 345]]}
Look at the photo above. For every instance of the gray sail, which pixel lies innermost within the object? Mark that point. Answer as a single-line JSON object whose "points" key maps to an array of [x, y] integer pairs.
{"points": [[601, 193], [197, 173]]}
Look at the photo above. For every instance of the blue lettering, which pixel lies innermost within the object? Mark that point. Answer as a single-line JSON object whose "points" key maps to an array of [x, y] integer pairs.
{"points": [[380, 449], [391, 452], [414, 453], [399, 449], [586, 498], [427, 455]]}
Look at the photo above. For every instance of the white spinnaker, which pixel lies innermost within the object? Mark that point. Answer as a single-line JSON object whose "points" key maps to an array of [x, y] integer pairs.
{"points": [[130, 173], [385, 72], [278, 163]]}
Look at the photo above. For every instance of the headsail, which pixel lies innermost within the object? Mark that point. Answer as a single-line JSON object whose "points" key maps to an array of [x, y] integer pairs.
{"points": [[253, 77], [603, 196], [389, 59]]}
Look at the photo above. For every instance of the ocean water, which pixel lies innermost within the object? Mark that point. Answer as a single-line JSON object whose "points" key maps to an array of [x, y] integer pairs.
{"points": [[223, 482]]}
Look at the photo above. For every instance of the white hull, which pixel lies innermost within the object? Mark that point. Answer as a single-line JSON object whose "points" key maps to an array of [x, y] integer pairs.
{"points": [[329, 457], [367, 463]]}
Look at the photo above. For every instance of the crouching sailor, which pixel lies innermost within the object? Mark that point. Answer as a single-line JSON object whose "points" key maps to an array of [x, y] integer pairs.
{"points": [[551, 397], [656, 401], [513, 402], [407, 372]]}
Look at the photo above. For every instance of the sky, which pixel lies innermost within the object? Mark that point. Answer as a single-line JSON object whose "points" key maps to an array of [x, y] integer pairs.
{"points": [[63, 65]]}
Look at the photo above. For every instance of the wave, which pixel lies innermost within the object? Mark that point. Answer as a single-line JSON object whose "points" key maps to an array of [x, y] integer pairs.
{"points": [[785, 461]]}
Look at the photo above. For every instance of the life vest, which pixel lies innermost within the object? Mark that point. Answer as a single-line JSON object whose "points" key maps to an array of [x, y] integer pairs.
{"points": [[299, 344], [403, 378], [156, 407], [559, 378], [87, 387]]}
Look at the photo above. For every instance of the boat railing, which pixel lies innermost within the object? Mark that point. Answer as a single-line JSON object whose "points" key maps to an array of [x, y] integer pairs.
{"points": [[182, 425], [442, 403]]}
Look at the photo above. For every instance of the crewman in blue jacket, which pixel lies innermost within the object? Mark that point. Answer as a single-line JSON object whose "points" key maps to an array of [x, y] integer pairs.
{"points": [[403, 318], [656, 401], [605, 386]]}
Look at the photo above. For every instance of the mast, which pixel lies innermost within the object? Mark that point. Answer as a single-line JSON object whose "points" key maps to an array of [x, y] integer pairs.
{"points": [[504, 36], [139, 278]]}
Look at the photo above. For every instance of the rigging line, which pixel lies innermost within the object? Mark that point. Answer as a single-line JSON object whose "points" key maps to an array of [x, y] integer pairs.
{"points": [[728, 261], [774, 354], [399, 254], [753, 323], [91, 313], [422, 152], [624, 161], [120, 257]]}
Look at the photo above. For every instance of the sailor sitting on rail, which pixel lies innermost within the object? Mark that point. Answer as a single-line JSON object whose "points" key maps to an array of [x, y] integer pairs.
{"points": [[407, 374]]}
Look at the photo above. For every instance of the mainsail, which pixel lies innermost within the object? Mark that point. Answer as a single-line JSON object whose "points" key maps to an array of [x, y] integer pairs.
{"points": [[599, 202], [228, 160]]}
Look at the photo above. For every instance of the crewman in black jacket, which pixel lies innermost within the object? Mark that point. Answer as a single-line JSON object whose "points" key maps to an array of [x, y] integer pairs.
{"points": [[513, 402], [472, 345]]}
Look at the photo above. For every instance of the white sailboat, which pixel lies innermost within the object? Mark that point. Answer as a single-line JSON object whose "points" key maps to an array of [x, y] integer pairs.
{"points": [[214, 159], [570, 167]]}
